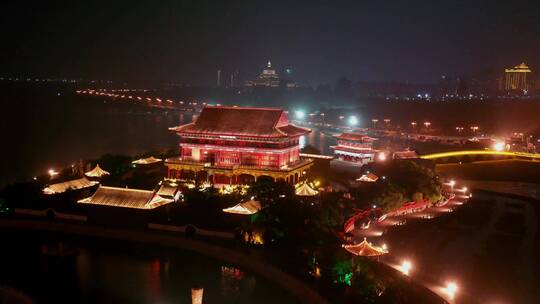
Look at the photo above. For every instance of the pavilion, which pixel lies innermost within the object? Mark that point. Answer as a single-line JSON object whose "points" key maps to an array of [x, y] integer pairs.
{"points": [[146, 161], [305, 190], [236, 145], [246, 208], [369, 178], [365, 249], [97, 172], [355, 148], [126, 198], [76, 184]]}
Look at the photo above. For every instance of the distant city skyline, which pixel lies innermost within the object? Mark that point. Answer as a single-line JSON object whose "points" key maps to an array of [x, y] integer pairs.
{"points": [[416, 42]]}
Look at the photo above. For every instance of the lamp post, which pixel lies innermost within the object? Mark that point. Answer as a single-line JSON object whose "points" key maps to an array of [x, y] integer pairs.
{"points": [[374, 121], [452, 184], [451, 290], [406, 267]]}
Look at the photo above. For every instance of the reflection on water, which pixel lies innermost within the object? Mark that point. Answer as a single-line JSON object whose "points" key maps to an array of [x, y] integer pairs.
{"points": [[49, 131], [108, 272], [319, 141], [56, 131]]}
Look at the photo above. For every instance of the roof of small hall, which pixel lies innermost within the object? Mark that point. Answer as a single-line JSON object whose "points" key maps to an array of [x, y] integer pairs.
{"points": [[120, 197], [75, 184]]}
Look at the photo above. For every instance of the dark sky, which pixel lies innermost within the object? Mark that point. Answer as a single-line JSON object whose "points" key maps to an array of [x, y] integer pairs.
{"points": [[187, 41]]}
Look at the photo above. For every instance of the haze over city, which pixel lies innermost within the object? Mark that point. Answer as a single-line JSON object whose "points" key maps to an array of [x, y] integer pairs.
{"points": [[177, 42]]}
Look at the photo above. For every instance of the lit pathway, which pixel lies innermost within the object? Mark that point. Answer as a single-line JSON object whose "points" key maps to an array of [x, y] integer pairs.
{"points": [[406, 248], [488, 247]]}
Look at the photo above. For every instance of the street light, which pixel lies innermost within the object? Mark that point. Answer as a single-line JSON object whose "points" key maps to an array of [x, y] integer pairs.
{"points": [[427, 124], [405, 267], [451, 289], [299, 114], [353, 120], [498, 146], [52, 173], [452, 184]]}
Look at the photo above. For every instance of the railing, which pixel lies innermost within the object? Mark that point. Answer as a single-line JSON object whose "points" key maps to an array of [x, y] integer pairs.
{"points": [[209, 165]]}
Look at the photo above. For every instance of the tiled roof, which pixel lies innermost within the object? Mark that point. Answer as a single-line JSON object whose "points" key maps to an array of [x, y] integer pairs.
{"points": [[69, 185], [121, 197], [241, 121]]}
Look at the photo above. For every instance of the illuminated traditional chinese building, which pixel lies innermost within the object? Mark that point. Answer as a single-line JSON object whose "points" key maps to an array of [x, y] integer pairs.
{"points": [[355, 148], [515, 79], [236, 145]]}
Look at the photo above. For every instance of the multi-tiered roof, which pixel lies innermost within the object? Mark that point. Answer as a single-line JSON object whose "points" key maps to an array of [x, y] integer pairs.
{"points": [[241, 122]]}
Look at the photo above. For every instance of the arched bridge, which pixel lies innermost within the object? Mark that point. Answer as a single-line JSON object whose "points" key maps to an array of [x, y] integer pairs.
{"points": [[534, 156]]}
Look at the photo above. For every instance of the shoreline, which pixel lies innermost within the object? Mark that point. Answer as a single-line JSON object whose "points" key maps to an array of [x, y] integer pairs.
{"points": [[298, 289]]}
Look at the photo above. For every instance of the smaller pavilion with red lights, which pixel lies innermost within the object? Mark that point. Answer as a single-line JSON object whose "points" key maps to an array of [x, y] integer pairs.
{"points": [[355, 148], [237, 145]]}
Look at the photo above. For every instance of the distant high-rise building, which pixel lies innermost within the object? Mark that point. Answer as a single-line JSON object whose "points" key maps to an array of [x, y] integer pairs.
{"points": [[515, 79], [218, 82], [268, 78]]}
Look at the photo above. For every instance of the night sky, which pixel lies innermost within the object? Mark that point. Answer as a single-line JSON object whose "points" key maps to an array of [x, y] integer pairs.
{"points": [[187, 41]]}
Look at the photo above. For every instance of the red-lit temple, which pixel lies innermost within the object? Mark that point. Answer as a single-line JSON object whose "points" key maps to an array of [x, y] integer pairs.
{"points": [[236, 145], [355, 148]]}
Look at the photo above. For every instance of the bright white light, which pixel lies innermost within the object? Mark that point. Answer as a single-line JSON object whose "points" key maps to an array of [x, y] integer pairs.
{"points": [[464, 189], [498, 146], [405, 267], [52, 173], [381, 156], [353, 120], [451, 289], [384, 247], [452, 183], [299, 114]]}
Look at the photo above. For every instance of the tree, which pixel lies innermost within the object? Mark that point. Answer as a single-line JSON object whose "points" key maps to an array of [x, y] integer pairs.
{"points": [[267, 191]]}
